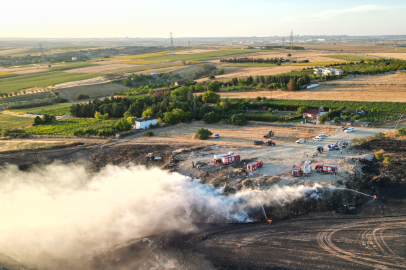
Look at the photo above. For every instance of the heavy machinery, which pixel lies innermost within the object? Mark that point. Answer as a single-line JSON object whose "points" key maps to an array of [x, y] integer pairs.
{"points": [[269, 142], [152, 157], [270, 134]]}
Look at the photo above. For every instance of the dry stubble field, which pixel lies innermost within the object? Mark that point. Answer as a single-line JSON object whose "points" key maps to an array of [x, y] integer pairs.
{"points": [[375, 88], [233, 135]]}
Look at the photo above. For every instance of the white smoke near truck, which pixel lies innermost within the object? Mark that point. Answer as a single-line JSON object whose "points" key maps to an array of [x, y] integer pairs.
{"points": [[66, 213]]}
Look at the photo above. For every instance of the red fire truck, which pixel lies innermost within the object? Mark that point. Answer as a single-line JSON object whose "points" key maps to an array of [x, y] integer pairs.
{"points": [[296, 170], [326, 168], [230, 159], [254, 165]]}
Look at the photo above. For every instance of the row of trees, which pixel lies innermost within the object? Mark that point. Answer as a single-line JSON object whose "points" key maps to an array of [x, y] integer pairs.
{"points": [[252, 60]]}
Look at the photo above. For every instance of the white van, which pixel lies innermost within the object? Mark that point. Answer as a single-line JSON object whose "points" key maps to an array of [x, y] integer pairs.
{"points": [[322, 136]]}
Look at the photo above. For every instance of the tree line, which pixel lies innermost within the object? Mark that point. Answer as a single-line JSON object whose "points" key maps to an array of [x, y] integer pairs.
{"points": [[252, 60]]}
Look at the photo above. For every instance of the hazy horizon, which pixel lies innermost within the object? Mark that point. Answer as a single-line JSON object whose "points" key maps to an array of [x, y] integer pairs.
{"points": [[145, 19]]}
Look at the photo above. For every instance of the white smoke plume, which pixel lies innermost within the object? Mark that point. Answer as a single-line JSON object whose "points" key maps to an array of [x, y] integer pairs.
{"points": [[64, 212]]}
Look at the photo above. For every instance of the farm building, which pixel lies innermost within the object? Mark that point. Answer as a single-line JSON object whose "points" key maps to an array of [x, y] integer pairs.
{"points": [[179, 83], [328, 71], [145, 123], [314, 113]]}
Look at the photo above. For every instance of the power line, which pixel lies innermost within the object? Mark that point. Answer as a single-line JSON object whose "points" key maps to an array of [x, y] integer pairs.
{"points": [[291, 40]]}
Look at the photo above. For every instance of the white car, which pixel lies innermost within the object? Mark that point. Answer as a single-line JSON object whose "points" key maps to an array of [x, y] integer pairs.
{"points": [[321, 136], [317, 139], [349, 130], [301, 140]]}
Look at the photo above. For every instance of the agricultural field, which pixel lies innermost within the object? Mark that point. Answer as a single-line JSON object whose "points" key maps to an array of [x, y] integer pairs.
{"points": [[40, 80], [354, 47], [56, 109], [7, 74], [67, 127], [242, 72], [24, 70], [11, 121], [73, 65], [27, 97], [231, 135], [19, 145], [162, 57], [94, 91], [399, 55], [350, 57]]}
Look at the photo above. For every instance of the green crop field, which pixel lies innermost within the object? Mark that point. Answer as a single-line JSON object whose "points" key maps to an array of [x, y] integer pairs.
{"points": [[7, 74], [162, 57], [11, 121], [72, 66], [40, 80], [27, 97], [68, 126], [250, 65], [349, 57], [56, 109]]}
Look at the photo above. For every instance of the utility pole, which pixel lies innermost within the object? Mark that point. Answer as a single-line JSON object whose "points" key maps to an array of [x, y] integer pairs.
{"points": [[283, 43], [291, 40], [171, 40]]}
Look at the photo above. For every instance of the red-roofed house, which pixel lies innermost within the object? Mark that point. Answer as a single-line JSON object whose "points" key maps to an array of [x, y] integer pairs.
{"points": [[314, 113]]}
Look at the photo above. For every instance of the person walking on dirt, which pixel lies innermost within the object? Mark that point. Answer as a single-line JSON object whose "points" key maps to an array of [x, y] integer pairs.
{"points": [[335, 173], [193, 165], [341, 151]]}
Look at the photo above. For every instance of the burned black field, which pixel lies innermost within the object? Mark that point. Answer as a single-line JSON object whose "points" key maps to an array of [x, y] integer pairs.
{"points": [[338, 230]]}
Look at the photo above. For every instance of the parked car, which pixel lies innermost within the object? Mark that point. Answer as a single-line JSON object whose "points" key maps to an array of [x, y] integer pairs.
{"points": [[301, 140], [217, 136], [343, 128], [329, 148], [349, 130], [335, 147], [321, 136], [317, 139]]}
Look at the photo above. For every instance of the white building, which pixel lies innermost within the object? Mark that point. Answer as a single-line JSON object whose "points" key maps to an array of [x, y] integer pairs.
{"points": [[74, 58], [145, 123], [328, 71]]}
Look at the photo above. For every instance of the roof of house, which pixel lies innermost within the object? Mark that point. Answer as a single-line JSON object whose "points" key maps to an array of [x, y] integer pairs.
{"points": [[145, 119], [180, 82], [312, 111]]}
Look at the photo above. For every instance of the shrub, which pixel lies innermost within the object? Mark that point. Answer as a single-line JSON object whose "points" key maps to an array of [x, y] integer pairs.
{"points": [[100, 116], [378, 156], [127, 82], [203, 134], [37, 121], [149, 133], [105, 132], [213, 86], [220, 71], [212, 77], [211, 118], [82, 96], [401, 131], [238, 120], [387, 159], [4, 133], [210, 97], [122, 125]]}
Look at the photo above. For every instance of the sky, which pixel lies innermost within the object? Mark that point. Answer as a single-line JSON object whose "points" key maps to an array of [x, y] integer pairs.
{"points": [[196, 18]]}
